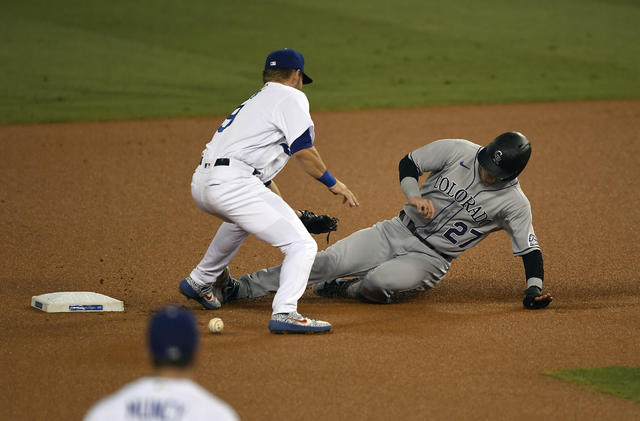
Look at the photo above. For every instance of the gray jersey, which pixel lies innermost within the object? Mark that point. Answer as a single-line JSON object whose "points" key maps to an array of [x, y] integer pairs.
{"points": [[387, 258], [467, 209]]}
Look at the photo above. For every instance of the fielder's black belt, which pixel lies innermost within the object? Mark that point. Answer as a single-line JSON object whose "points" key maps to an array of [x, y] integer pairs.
{"points": [[223, 162], [412, 227], [219, 162]]}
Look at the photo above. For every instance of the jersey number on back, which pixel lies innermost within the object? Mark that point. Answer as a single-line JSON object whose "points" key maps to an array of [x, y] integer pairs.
{"points": [[460, 231], [229, 119]]}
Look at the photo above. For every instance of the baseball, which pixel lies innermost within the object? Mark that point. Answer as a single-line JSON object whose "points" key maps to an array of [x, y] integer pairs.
{"points": [[216, 325]]}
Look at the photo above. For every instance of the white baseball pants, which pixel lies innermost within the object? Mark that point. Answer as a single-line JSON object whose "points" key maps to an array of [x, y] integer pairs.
{"points": [[232, 193]]}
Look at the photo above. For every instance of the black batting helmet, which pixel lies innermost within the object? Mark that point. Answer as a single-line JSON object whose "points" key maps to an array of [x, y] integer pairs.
{"points": [[506, 156]]}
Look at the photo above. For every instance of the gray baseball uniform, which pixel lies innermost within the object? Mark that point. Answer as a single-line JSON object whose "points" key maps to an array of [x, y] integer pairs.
{"points": [[409, 252]]}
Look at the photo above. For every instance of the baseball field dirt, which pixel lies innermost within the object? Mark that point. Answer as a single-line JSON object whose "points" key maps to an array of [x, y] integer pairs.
{"points": [[106, 207]]}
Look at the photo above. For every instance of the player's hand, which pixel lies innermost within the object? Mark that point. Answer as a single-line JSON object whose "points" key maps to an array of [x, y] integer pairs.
{"points": [[424, 206], [347, 195], [534, 299]]}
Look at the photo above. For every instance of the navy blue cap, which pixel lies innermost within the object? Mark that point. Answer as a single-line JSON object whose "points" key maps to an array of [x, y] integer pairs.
{"points": [[287, 59], [173, 335]]}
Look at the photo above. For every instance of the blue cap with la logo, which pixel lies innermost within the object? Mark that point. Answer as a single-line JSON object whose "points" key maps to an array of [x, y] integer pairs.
{"points": [[287, 59]]}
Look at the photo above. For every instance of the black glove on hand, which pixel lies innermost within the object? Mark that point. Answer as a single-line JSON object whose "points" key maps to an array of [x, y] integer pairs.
{"points": [[318, 224], [530, 295]]}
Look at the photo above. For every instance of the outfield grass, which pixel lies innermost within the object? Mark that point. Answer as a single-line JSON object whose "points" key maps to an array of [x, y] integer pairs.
{"points": [[623, 382], [94, 60]]}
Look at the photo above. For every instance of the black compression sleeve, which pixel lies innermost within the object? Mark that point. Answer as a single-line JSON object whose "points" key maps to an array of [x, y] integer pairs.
{"points": [[533, 266], [407, 168]]}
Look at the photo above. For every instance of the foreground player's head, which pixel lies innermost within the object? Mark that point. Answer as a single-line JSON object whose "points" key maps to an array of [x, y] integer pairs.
{"points": [[173, 337], [505, 157], [281, 64]]}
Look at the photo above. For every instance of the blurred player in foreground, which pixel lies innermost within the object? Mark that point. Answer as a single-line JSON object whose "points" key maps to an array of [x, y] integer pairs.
{"points": [[169, 394]]}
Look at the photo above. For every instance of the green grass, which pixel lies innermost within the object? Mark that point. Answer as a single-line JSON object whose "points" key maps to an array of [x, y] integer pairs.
{"points": [[623, 382], [95, 60]]}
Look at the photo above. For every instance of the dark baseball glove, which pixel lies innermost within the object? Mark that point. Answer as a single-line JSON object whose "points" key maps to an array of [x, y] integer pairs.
{"points": [[534, 300], [318, 224]]}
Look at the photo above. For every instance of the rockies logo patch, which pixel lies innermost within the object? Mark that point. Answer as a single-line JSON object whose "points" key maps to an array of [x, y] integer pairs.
{"points": [[533, 241], [497, 157]]}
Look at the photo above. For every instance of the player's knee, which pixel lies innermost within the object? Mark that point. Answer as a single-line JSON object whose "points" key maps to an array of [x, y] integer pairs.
{"points": [[302, 246], [310, 246]]}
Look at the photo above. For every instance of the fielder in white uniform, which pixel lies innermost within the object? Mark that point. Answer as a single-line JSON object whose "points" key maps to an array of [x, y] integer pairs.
{"points": [[471, 192], [169, 395], [234, 181]]}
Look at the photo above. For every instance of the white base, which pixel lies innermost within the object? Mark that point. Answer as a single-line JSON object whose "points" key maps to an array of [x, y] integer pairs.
{"points": [[66, 302]]}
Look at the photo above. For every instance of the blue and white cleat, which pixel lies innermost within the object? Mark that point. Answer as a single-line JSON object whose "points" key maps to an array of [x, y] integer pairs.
{"points": [[295, 322], [202, 294]]}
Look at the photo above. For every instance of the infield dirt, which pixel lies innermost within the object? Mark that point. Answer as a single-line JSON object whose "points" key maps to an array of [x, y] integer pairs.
{"points": [[106, 207]]}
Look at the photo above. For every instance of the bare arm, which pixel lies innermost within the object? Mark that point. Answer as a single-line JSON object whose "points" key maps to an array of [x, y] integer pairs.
{"points": [[311, 161], [313, 165]]}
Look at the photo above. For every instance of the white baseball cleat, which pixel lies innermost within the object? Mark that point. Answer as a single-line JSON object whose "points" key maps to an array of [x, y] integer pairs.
{"points": [[295, 322], [202, 294]]}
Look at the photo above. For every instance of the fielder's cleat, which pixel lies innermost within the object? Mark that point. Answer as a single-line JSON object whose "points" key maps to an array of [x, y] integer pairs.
{"points": [[336, 288], [295, 322], [202, 294]]}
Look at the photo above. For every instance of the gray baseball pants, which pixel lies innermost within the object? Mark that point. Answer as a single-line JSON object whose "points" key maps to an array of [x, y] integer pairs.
{"points": [[387, 258]]}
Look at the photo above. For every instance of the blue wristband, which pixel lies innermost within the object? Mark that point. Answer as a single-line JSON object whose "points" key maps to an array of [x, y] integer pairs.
{"points": [[327, 179]]}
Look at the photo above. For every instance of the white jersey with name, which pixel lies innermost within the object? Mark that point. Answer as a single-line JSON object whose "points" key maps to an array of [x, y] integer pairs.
{"points": [[467, 209], [161, 399], [261, 130]]}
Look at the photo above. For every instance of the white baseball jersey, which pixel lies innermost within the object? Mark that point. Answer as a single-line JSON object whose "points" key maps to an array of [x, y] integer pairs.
{"points": [[250, 147], [467, 209], [161, 399], [261, 130]]}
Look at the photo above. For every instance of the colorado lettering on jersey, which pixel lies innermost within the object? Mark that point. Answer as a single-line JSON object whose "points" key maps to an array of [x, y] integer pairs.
{"points": [[462, 197], [165, 410]]}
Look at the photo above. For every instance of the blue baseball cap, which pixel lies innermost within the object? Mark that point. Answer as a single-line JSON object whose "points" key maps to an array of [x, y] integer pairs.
{"points": [[173, 336], [287, 59]]}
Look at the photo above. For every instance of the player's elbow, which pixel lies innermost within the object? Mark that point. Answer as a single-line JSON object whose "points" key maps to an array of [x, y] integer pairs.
{"points": [[407, 168]]}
